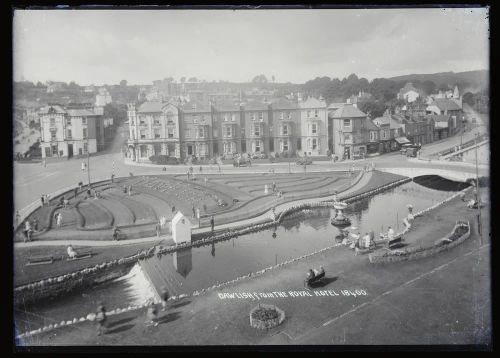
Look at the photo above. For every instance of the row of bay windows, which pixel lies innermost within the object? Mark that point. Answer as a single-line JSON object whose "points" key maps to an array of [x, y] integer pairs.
{"points": [[69, 134], [52, 121]]}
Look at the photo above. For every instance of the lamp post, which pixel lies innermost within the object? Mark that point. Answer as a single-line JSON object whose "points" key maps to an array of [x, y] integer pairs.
{"points": [[88, 161]]}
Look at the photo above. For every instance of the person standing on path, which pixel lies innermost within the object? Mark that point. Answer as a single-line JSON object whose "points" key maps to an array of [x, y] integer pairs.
{"points": [[164, 298], [75, 192], [42, 199], [101, 320], [194, 211], [83, 166], [212, 222], [27, 231]]}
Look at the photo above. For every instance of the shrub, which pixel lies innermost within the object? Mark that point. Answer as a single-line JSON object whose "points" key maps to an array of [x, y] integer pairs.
{"points": [[163, 160], [265, 314], [276, 155]]}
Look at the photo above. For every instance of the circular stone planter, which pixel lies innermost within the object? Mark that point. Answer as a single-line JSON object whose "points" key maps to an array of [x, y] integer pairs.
{"points": [[276, 316]]}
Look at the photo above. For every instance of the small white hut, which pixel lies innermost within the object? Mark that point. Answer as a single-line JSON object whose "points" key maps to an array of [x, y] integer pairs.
{"points": [[181, 228]]}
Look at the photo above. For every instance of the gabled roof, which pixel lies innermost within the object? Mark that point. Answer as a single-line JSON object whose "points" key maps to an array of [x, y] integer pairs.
{"points": [[382, 121], [282, 103], [347, 111], [394, 124], [445, 104], [335, 105], [312, 102], [370, 125]]}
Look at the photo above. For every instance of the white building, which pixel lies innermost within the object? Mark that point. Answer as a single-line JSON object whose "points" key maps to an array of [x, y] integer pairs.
{"points": [[313, 126], [409, 93], [153, 130], [103, 97], [67, 132]]}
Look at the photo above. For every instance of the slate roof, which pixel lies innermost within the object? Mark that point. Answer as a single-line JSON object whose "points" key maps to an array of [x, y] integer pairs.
{"points": [[384, 120], [150, 107], [312, 102], [81, 113], [282, 103], [200, 107], [445, 104], [226, 106], [347, 111], [255, 105], [370, 125]]}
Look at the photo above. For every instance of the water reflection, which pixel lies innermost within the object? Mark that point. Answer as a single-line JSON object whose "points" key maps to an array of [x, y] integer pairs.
{"points": [[303, 233], [183, 261]]}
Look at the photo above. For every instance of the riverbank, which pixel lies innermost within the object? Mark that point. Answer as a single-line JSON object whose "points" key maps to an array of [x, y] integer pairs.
{"points": [[397, 298]]}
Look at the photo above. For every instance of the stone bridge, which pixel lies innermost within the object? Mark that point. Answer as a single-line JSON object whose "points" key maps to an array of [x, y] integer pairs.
{"points": [[448, 170]]}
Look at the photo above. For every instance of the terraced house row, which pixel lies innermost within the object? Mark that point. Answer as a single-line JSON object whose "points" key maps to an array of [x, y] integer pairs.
{"points": [[225, 129]]}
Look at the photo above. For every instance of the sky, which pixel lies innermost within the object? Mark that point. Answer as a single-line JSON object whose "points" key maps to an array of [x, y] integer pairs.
{"points": [[107, 46]]}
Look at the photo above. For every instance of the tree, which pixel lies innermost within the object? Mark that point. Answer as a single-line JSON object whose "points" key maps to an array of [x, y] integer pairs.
{"points": [[273, 78], [373, 108], [468, 98], [193, 79], [183, 79], [259, 79], [123, 83]]}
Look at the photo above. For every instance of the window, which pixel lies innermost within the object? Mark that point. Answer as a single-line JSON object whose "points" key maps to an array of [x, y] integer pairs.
{"points": [[316, 113], [308, 114], [47, 152], [84, 120], [170, 118], [347, 138], [201, 132], [299, 144], [289, 115], [156, 121], [53, 134], [282, 115], [85, 148], [233, 117], [284, 145], [157, 133], [84, 133], [227, 131], [261, 116], [347, 124], [170, 132], [314, 128], [284, 130], [69, 134], [68, 121], [215, 133], [314, 144], [372, 135], [195, 119], [252, 116], [187, 133], [143, 151], [258, 146], [142, 134], [256, 131], [52, 122], [226, 117], [157, 149]]}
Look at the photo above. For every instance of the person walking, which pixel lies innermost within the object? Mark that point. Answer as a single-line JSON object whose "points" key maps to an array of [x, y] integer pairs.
{"points": [[212, 222], [27, 231], [18, 217], [152, 316], [59, 220], [80, 185], [194, 212], [173, 209], [164, 298], [158, 229], [83, 166], [75, 192], [101, 319], [274, 187], [47, 199], [42, 199], [116, 231]]}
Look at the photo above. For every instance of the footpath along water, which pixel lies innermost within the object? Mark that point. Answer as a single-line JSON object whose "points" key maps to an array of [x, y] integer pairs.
{"points": [[201, 267]]}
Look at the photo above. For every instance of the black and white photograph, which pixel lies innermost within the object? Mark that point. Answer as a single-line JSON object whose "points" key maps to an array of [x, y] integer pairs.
{"points": [[256, 177]]}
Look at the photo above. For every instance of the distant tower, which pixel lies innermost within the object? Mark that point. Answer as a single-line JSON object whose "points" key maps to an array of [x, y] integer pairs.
{"points": [[456, 94]]}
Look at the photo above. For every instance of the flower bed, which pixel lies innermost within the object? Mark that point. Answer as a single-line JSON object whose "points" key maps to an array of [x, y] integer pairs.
{"points": [[266, 316]]}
